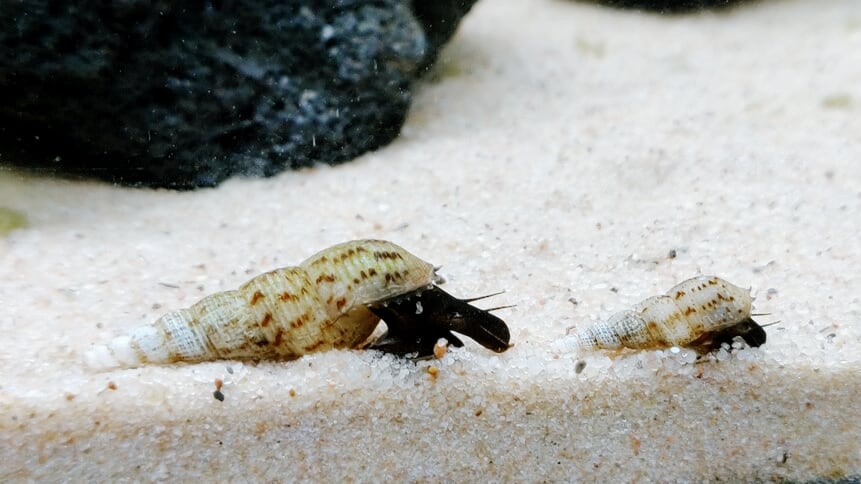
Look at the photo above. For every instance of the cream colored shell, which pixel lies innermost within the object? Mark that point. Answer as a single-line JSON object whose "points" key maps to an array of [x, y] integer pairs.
{"points": [[282, 314], [687, 313]]}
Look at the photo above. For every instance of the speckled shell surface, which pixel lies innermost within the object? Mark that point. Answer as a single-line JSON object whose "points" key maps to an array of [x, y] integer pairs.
{"points": [[282, 314], [691, 309]]}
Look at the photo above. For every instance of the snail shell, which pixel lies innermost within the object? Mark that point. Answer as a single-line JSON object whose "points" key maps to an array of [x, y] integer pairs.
{"points": [[283, 314], [699, 313]]}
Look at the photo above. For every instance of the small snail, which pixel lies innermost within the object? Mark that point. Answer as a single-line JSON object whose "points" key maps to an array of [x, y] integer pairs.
{"points": [[700, 313], [334, 299]]}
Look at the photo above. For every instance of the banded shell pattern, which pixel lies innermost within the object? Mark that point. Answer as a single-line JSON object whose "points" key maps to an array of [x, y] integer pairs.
{"points": [[282, 314], [699, 313]]}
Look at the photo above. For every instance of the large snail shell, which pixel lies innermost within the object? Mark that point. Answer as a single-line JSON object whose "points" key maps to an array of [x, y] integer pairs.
{"points": [[282, 314], [700, 313]]}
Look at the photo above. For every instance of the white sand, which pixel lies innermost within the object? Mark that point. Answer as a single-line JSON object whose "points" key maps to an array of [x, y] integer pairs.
{"points": [[561, 151]]}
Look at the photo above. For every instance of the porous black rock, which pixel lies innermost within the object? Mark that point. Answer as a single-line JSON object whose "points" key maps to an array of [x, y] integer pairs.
{"points": [[186, 94]]}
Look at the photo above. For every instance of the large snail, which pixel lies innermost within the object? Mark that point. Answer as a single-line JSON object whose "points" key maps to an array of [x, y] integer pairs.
{"points": [[334, 299]]}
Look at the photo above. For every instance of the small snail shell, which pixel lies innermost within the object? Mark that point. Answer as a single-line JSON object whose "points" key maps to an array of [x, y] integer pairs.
{"points": [[699, 313], [283, 314]]}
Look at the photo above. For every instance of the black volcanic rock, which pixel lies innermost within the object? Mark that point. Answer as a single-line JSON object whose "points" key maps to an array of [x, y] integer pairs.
{"points": [[186, 94]]}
